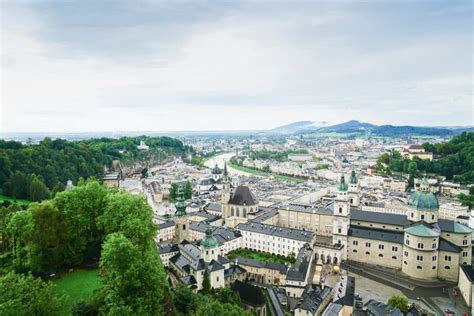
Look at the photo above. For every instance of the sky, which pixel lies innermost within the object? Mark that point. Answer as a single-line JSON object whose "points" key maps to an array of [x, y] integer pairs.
{"points": [[72, 66]]}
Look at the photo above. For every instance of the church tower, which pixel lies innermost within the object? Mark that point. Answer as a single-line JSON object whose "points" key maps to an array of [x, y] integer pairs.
{"points": [[354, 189], [208, 246], [225, 192], [341, 213], [181, 217]]}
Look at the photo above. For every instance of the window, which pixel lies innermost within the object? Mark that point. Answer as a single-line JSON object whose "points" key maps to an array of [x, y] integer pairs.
{"points": [[433, 246], [217, 279], [367, 253], [464, 254], [381, 247], [355, 242], [420, 245], [447, 267], [380, 255], [407, 242], [404, 262], [394, 248], [419, 267], [419, 258], [367, 244], [433, 258], [432, 216], [355, 250], [340, 210], [464, 242], [406, 253], [412, 214], [422, 217], [394, 257], [339, 231], [447, 258]]}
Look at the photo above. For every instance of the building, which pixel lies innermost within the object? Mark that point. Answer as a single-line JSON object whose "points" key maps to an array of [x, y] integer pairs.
{"points": [[143, 146], [416, 151], [273, 239], [251, 297], [453, 210], [238, 207], [314, 300], [343, 298], [166, 231], [112, 179], [466, 284]]}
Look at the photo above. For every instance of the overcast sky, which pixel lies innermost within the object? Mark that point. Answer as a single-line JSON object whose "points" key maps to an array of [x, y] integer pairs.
{"points": [[227, 65]]}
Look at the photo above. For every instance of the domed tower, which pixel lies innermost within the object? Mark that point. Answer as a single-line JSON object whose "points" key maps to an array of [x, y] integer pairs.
{"points": [[216, 173], [354, 189], [208, 246], [181, 217], [420, 251], [341, 213], [423, 205]]}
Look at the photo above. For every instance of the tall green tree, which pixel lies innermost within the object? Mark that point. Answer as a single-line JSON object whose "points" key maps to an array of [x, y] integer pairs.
{"points": [[20, 229], [206, 283], [38, 190], [188, 190], [25, 295], [48, 237], [135, 281]]}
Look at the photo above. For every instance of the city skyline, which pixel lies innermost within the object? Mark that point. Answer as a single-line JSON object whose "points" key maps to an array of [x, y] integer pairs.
{"points": [[158, 66]]}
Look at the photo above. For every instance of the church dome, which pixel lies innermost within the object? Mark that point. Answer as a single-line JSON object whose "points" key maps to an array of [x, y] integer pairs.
{"points": [[209, 241], [216, 170], [342, 184], [353, 179], [424, 201]]}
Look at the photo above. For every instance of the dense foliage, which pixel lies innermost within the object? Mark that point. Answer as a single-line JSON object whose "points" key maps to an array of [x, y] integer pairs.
{"points": [[187, 190], [399, 301], [275, 155], [32, 171], [454, 160]]}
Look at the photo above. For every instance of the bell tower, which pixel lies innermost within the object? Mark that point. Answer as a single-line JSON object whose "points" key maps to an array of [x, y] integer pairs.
{"points": [[341, 211], [181, 217], [354, 190], [225, 192]]}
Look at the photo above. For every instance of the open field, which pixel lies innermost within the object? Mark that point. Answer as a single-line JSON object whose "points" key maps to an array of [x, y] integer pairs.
{"points": [[77, 286], [8, 198]]}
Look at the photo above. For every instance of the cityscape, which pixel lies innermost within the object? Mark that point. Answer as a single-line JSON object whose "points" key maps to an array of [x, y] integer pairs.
{"points": [[237, 158]]}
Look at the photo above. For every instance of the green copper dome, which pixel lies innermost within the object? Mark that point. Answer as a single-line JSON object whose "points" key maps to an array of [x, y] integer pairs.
{"points": [[216, 170], [209, 241], [353, 179], [180, 203], [425, 201], [342, 185], [421, 230]]}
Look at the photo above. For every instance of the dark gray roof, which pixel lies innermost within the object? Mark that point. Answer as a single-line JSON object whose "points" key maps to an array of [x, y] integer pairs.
{"points": [[216, 207], [180, 261], [207, 216], [376, 234], [234, 270], [267, 214], [188, 280], [262, 264], [290, 233], [445, 245], [211, 266], [450, 226], [300, 270], [377, 217], [379, 308], [166, 224], [312, 297], [308, 208], [242, 196], [190, 250], [469, 272], [168, 248]]}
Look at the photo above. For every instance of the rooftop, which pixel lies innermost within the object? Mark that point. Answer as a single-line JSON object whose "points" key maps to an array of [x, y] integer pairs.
{"points": [[242, 196], [283, 232]]}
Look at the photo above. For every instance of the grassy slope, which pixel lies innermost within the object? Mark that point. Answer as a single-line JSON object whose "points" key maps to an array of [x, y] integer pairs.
{"points": [[8, 198], [77, 286]]}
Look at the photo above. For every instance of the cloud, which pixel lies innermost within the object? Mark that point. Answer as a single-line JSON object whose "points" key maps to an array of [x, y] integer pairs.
{"points": [[80, 66]]}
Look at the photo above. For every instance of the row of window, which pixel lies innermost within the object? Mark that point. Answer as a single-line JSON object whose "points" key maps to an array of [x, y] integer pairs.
{"points": [[368, 245]]}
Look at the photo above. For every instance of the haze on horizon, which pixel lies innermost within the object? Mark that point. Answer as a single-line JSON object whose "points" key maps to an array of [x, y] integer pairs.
{"points": [[80, 66]]}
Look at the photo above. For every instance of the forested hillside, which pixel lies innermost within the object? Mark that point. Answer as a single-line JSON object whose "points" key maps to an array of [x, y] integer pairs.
{"points": [[453, 159], [32, 171], [110, 233]]}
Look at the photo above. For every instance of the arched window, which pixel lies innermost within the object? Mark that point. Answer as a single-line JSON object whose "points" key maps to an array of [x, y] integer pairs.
{"points": [[232, 211], [245, 212], [447, 267], [419, 267], [238, 212], [394, 257], [355, 250], [380, 255]]}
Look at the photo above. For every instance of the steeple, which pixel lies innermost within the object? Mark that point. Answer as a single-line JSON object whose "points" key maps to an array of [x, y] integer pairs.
{"points": [[180, 203], [225, 171], [342, 184], [353, 179]]}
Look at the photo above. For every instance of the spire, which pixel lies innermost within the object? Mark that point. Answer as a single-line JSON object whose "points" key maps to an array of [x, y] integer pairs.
{"points": [[353, 179], [180, 202], [209, 240], [342, 184], [225, 170]]}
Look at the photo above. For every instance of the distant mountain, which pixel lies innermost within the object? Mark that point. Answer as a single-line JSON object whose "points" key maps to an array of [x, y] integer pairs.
{"points": [[352, 126], [356, 127], [298, 126]]}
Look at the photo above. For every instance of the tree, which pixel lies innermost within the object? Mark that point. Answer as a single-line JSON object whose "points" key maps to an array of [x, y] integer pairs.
{"points": [[59, 187], [38, 190], [81, 206], [208, 306], [184, 300], [173, 192], [134, 282], [25, 295], [227, 296], [188, 190], [131, 215], [399, 301], [5, 214], [48, 237], [20, 229], [206, 283]]}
